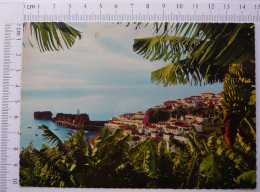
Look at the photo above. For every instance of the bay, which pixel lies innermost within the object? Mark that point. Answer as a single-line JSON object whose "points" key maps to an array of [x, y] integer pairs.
{"points": [[31, 133]]}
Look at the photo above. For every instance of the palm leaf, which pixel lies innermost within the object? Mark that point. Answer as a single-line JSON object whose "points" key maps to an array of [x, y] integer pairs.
{"points": [[49, 35], [49, 167], [52, 138], [209, 48]]}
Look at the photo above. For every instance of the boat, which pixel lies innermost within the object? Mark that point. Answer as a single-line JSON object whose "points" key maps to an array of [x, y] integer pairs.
{"points": [[29, 127], [56, 129], [36, 134]]}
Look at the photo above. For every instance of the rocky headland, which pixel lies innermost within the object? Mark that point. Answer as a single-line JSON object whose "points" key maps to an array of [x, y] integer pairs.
{"points": [[71, 121]]}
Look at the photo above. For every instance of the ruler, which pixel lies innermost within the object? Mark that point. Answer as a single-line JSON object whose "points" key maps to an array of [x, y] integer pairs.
{"points": [[14, 14], [139, 11]]}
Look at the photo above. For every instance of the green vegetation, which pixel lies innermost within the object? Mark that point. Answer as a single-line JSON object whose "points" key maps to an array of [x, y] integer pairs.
{"points": [[112, 163], [49, 35]]}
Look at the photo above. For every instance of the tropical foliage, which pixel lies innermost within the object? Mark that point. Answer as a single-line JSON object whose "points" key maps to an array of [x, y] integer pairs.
{"points": [[153, 116], [112, 163], [51, 36], [197, 53]]}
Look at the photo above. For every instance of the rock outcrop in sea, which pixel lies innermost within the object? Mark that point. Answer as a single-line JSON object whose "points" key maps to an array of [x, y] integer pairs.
{"points": [[71, 121], [43, 115]]}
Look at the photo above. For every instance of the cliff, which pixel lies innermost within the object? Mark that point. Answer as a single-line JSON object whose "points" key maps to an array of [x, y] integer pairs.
{"points": [[72, 121], [43, 115]]}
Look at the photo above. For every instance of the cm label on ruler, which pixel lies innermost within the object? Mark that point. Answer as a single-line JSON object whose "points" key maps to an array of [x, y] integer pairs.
{"points": [[140, 11]]}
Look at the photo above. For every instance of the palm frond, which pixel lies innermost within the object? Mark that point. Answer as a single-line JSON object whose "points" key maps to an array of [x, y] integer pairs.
{"points": [[209, 48], [52, 138], [178, 73], [49, 35], [50, 168], [164, 47]]}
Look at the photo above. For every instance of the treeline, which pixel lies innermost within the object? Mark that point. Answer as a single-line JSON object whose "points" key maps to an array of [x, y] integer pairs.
{"points": [[112, 163]]}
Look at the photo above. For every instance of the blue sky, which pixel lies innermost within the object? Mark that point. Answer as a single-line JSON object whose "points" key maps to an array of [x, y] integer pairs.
{"points": [[100, 75]]}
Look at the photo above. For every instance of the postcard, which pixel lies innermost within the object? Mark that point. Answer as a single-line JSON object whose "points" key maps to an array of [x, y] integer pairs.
{"points": [[138, 105]]}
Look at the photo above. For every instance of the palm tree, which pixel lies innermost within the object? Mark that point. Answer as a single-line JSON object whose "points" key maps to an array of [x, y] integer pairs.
{"points": [[197, 52]]}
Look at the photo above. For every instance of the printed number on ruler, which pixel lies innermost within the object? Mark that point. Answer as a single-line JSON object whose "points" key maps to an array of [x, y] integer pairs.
{"points": [[141, 11], [11, 88]]}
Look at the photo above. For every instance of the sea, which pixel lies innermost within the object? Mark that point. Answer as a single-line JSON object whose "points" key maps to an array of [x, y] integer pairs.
{"points": [[30, 131]]}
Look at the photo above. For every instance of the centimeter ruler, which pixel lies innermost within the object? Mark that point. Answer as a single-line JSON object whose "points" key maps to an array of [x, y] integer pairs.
{"points": [[14, 14], [131, 11]]}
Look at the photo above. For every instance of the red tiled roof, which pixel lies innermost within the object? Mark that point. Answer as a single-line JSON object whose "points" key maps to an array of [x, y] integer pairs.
{"points": [[170, 102], [181, 124], [112, 122], [186, 129], [156, 138], [161, 123], [91, 140], [151, 126], [188, 98], [207, 93], [199, 102], [195, 123], [154, 132], [127, 128], [190, 115], [171, 127]]}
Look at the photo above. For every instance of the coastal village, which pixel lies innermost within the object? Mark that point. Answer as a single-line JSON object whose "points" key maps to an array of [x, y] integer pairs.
{"points": [[175, 127]]}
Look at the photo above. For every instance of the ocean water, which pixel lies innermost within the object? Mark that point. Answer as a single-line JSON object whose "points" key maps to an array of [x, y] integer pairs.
{"points": [[31, 133]]}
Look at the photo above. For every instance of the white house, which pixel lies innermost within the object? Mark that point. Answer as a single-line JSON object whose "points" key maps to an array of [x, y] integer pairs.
{"points": [[190, 116], [169, 103], [154, 134], [149, 129], [190, 120], [201, 118], [167, 136], [190, 104], [161, 125], [113, 125], [201, 104], [140, 115], [206, 95], [171, 129]]}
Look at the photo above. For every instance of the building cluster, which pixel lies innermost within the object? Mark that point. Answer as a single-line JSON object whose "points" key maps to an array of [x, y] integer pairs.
{"points": [[133, 123]]}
